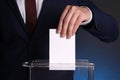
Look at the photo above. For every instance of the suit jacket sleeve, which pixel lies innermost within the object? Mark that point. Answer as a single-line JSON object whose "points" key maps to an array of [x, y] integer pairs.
{"points": [[103, 26]]}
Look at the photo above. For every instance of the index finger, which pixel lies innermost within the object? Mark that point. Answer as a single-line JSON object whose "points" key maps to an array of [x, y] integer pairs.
{"points": [[62, 18]]}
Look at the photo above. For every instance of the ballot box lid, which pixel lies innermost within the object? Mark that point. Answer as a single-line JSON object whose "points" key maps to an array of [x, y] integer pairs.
{"points": [[45, 63]]}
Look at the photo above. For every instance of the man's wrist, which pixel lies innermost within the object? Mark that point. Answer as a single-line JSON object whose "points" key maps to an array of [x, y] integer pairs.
{"points": [[90, 19]]}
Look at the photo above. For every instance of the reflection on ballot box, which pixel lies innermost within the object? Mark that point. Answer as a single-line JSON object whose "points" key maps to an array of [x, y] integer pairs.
{"points": [[40, 70]]}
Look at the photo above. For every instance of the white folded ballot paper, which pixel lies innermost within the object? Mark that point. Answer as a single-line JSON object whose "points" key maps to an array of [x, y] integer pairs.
{"points": [[61, 52]]}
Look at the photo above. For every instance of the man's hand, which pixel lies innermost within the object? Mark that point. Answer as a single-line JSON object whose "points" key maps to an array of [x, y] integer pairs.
{"points": [[71, 19]]}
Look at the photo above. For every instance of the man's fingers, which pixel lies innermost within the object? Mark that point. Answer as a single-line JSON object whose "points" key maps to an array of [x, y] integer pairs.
{"points": [[62, 18], [71, 19], [77, 24], [72, 24], [66, 21]]}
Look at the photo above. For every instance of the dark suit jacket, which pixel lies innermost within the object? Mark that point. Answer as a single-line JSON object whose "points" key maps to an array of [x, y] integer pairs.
{"points": [[17, 45]]}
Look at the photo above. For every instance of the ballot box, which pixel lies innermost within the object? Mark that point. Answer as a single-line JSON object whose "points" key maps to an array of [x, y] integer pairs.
{"points": [[40, 70]]}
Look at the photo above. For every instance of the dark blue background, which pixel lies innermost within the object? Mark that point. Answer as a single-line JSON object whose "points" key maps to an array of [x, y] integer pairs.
{"points": [[105, 56]]}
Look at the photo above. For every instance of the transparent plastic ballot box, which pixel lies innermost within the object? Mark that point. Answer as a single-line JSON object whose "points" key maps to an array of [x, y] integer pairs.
{"points": [[40, 70]]}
